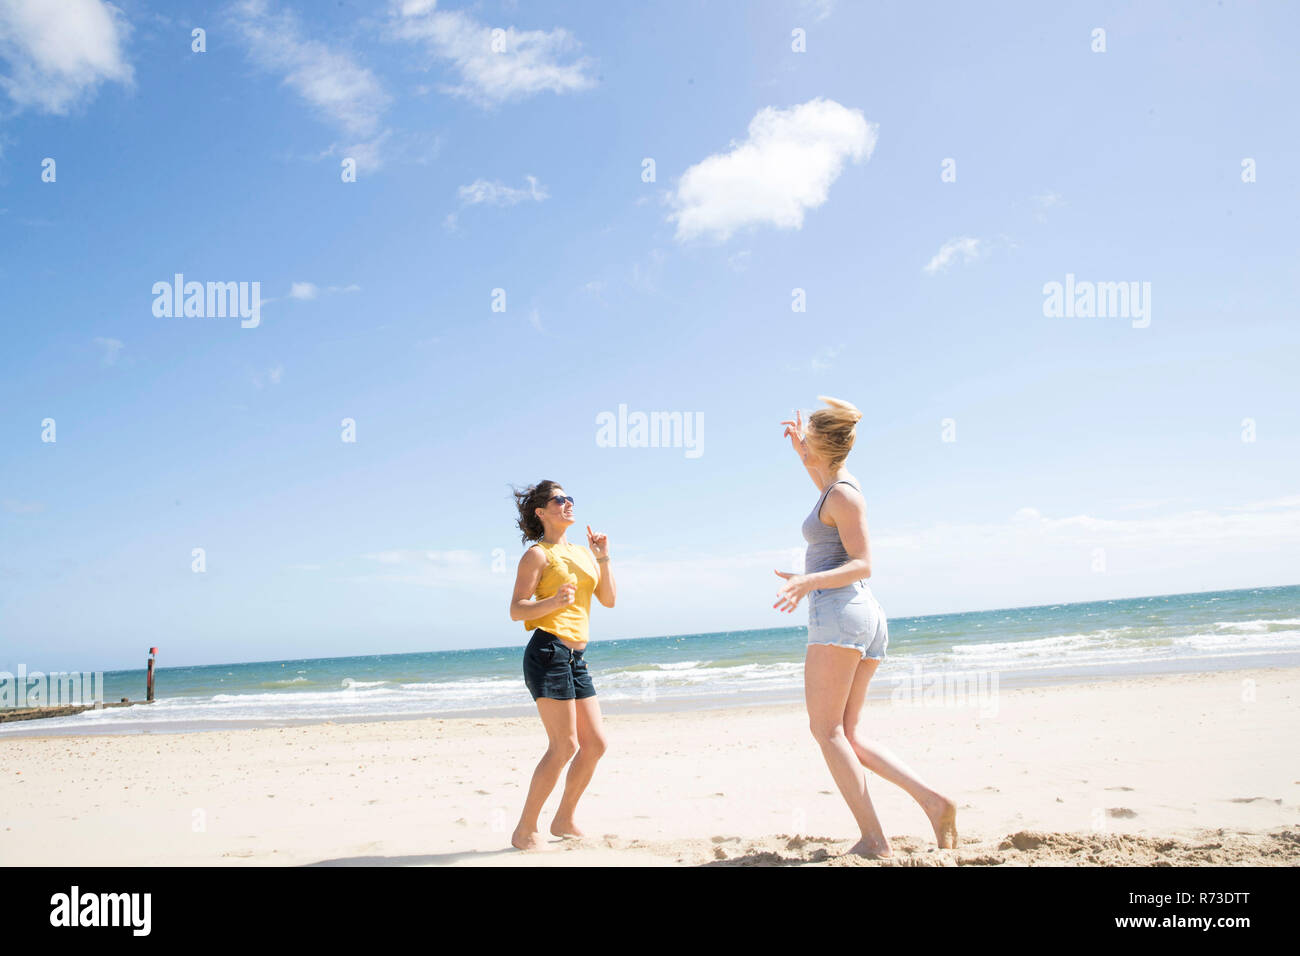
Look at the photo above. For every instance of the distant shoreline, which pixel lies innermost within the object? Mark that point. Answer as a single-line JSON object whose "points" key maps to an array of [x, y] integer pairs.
{"points": [[880, 690]]}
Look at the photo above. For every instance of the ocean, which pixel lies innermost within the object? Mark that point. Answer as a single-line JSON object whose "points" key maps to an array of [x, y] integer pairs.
{"points": [[1052, 644]]}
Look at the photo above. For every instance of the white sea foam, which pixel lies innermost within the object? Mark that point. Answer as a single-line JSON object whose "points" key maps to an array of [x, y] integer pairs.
{"points": [[681, 665], [1262, 624]]}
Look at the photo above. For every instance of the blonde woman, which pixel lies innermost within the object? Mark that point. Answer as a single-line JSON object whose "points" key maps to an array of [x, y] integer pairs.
{"points": [[847, 630]]}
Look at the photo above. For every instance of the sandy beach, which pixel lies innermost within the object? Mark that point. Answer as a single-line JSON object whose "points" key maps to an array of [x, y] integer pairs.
{"points": [[1183, 770]]}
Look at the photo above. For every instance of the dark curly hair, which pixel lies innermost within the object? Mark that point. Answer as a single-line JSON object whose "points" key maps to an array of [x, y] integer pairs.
{"points": [[534, 496]]}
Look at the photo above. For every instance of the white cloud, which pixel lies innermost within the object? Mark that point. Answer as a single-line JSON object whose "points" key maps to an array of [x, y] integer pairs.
{"points": [[965, 248], [823, 359], [309, 291], [1201, 531], [434, 569], [819, 9], [496, 193], [739, 262], [112, 348], [1272, 504], [271, 376], [514, 65], [390, 557], [784, 168], [58, 52], [1044, 202], [346, 94], [645, 276]]}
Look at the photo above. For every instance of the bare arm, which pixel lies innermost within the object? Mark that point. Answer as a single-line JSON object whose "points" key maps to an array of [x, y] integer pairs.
{"points": [[598, 545], [794, 431], [522, 604]]}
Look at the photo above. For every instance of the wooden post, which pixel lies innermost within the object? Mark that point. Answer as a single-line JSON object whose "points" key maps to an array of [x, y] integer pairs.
{"points": [[149, 678]]}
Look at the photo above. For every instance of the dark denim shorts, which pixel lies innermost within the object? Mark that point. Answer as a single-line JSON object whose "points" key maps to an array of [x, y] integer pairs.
{"points": [[553, 669]]}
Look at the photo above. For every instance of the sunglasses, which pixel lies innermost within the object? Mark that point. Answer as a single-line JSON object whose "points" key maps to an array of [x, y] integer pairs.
{"points": [[562, 499]]}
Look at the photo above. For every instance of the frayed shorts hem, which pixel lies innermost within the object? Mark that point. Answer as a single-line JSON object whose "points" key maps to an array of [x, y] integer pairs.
{"points": [[860, 648]]}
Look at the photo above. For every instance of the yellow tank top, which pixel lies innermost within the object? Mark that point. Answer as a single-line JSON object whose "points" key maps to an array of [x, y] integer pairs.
{"points": [[566, 564]]}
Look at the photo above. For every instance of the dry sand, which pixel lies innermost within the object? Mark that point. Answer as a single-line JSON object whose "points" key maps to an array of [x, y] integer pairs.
{"points": [[1174, 770]]}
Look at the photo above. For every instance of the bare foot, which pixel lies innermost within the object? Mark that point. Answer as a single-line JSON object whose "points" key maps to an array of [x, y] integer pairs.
{"points": [[943, 817], [523, 839], [872, 849], [565, 828]]}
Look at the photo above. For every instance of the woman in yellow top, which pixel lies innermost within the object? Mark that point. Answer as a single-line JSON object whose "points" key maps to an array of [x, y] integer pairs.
{"points": [[553, 590]]}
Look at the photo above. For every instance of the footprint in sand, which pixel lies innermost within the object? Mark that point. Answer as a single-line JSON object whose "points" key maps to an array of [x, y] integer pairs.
{"points": [[1277, 800], [1122, 813], [1119, 788]]}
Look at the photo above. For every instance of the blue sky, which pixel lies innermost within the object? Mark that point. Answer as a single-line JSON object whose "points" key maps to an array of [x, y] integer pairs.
{"points": [[1091, 459]]}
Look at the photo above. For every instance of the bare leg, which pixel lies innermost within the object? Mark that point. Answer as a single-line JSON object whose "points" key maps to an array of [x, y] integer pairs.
{"points": [[882, 761], [828, 677], [560, 720], [591, 746]]}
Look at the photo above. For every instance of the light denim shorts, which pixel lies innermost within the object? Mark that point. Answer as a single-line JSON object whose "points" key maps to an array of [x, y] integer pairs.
{"points": [[849, 617]]}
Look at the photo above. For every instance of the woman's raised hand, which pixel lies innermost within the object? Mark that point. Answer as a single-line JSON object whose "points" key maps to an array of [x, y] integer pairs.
{"points": [[565, 594], [794, 431], [598, 543]]}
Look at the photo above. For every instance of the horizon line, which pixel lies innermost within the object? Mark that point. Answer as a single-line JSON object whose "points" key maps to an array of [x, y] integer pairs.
{"points": [[648, 637]]}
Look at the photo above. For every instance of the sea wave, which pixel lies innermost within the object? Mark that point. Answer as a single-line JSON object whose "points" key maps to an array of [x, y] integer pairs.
{"points": [[288, 682]]}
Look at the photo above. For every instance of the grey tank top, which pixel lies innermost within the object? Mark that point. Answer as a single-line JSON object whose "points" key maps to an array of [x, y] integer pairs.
{"points": [[825, 550]]}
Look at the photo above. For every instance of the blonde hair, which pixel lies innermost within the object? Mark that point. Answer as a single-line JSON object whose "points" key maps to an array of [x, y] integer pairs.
{"points": [[833, 430]]}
